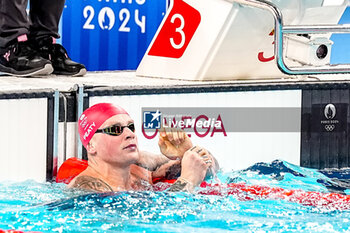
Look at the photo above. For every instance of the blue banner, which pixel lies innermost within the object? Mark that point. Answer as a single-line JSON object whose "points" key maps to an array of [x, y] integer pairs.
{"points": [[110, 34]]}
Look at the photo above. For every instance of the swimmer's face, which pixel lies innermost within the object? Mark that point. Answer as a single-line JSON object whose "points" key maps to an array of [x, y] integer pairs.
{"points": [[119, 150]]}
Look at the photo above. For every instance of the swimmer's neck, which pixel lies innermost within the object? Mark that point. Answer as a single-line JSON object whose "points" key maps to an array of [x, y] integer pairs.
{"points": [[117, 177]]}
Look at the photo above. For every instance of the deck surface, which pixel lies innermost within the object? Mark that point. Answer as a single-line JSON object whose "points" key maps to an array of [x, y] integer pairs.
{"points": [[129, 79]]}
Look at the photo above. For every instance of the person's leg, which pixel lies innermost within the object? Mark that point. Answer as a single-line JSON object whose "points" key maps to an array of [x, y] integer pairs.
{"points": [[45, 16], [13, 21], [16, 55]]}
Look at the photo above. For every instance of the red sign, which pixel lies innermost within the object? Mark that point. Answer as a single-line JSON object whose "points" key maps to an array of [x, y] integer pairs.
{"points": [[177, 31], [261, 56]]}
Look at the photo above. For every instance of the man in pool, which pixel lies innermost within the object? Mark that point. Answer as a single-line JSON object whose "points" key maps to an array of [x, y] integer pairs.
{"points": [[108, 134]]}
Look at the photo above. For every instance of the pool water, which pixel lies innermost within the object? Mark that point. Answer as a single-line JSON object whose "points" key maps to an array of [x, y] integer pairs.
{"points": [[50, 207]]}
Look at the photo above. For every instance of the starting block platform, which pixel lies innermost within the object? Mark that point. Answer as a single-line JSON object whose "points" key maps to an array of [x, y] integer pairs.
{"points": [[244, 39]]}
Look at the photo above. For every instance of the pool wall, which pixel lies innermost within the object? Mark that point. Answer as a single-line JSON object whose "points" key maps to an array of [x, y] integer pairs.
{"points": [[39, 127]]}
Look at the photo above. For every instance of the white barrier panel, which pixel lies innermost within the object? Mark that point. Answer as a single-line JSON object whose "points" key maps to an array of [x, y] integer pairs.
{"points": [[222, 40], [67, 147], [234, 150], [23, 139]]}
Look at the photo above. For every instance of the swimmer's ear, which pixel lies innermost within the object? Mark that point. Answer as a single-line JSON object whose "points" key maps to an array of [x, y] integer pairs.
{"points": [[90, 148]]}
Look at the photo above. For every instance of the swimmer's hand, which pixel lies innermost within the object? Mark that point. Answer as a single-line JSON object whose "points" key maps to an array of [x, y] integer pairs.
{"points": [[194, 166], [173, 143]]}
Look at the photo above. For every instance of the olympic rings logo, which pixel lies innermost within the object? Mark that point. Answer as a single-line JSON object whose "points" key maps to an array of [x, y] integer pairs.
{"points": [[329, 128]]}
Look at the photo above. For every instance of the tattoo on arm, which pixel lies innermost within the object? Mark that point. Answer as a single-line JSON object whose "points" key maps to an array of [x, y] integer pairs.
{"points": [[92, 184], [179, 185], [173, 172]]}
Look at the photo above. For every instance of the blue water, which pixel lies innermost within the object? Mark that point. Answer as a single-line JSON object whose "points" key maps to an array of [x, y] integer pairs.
{"points": [[50, 207]]}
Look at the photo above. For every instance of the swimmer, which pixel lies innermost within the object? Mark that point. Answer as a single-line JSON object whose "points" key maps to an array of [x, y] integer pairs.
{"points": [[115, 162]]}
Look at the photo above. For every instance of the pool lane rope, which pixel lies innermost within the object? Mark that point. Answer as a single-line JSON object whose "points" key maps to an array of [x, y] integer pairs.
{"points": [[15, 231], [333, 201]]}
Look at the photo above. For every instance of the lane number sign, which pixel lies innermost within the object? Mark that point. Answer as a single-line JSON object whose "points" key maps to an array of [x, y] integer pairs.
{"points": [[177, 31]]}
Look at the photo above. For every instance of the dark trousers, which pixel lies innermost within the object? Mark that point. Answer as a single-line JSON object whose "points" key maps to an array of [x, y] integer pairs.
{"points": [[43, 19]]}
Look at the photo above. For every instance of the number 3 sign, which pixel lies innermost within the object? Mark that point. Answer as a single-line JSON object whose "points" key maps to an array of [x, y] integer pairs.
{"points": [[177, 31]]}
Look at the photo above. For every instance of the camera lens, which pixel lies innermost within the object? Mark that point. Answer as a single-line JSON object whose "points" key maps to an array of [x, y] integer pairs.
{"points": [[322, 51]]}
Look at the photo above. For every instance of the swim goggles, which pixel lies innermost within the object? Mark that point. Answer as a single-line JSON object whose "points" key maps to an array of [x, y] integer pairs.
{"points": [[116, 130]]}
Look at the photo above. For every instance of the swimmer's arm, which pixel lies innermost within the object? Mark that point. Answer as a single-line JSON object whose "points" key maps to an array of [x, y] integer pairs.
{"points": [[90, 184], [169, 171], [162, 167], [181, 185], [151, 161]]}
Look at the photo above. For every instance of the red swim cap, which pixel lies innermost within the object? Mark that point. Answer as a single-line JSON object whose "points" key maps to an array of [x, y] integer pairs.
{"points": [[93, 117]]}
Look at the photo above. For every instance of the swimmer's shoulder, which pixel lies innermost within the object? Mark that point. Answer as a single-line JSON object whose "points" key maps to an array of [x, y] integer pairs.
{"points": [[140, 173], [89, 183]]}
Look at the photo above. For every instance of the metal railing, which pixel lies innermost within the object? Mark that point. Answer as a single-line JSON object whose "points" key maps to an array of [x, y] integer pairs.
{"points": [[281, 29]]}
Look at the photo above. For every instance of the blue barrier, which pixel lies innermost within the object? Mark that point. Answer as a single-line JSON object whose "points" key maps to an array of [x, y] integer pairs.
{"points": [[110, 34]]}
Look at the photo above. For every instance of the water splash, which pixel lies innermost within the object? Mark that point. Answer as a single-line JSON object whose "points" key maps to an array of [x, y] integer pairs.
{"points": [[49, 207]]}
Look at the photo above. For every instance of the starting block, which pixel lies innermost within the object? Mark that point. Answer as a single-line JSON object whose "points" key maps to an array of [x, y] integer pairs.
{"points": [[244, 39]]}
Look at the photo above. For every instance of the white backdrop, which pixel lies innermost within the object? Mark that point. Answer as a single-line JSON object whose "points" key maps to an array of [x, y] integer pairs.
{"points": [[237, 150], [23, 140]]}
